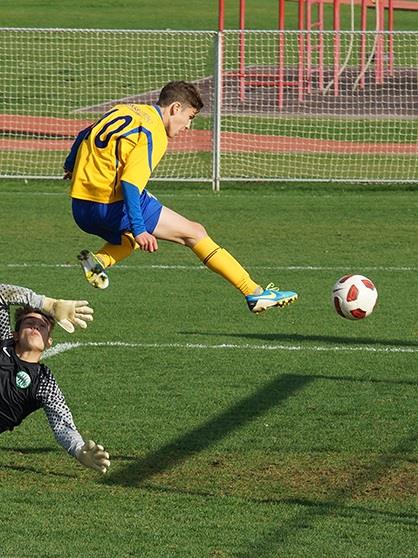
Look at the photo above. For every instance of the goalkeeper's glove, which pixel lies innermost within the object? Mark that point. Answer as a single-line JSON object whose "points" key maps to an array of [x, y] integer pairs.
{"points": [[68, 313], [94, 456]]}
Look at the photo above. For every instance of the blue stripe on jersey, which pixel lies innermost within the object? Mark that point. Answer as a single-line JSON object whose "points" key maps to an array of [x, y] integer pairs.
{"points": [[148, 134], [150, 147], [133, 207], [157, 108], [137, 130], [116, 163], [72, 155]]}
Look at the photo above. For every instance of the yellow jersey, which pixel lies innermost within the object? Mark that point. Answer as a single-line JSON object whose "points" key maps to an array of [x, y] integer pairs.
{"points": [[126, 144]]}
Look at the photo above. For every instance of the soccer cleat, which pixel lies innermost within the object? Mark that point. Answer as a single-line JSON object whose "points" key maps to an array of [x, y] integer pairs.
{"points": [[93, 269], [269, 298]]}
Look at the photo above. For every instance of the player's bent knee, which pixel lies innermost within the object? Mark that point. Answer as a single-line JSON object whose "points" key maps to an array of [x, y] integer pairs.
{"points": [[200, 231], [188, 234], [196, 233]]}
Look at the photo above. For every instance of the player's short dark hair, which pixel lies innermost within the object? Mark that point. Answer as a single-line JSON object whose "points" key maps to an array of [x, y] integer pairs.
{"points": [[22, 312], [182, 92]]}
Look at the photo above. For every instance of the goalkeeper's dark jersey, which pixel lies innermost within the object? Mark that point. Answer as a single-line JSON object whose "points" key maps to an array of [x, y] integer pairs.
{"points": [[26, 387]]}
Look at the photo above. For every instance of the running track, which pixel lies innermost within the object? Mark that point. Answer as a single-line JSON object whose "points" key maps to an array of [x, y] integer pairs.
{"points": [[61, 131]]}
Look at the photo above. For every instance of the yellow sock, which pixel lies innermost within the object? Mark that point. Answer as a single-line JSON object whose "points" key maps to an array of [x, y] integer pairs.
{"points": [[220, 260], [110, 254]]}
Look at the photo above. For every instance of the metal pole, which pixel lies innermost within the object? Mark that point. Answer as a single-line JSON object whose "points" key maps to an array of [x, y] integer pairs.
{"points": [[363, 42], [242, 50], [301, 19], [309, 45], [337, 49], [390, 27], [379, 58], [216, 136], [280, 89], [221, 15], [321, 44]]}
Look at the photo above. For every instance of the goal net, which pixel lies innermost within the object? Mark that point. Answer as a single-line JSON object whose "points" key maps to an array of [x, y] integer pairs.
{"points": [[57, 81], [279, 106], [324, 106]]}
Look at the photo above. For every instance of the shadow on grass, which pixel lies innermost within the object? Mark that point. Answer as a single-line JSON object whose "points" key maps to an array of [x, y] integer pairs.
{"points": [[316, 506], [30, 451], [33, 469], [202, 437], [337, 500], [328, 339], [38, 471]]}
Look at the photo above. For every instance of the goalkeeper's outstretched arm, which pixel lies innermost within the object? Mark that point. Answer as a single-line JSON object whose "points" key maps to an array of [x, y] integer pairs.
{"points": [[60, 419], [67, 313], [94, 456]]}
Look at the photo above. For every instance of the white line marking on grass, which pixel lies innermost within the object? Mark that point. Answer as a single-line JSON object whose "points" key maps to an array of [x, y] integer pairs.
{"points": [[119, 266], [36, 265], [63, 347], [172, 267]]}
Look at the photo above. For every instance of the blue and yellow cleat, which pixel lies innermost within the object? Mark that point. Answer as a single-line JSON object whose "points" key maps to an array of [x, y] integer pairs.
{"points": [[269, 298], [93, 269]]}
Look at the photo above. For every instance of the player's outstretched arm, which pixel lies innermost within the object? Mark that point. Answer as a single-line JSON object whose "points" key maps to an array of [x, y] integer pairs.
{"points": [[62, 424], [68, 313], [94, 456]]}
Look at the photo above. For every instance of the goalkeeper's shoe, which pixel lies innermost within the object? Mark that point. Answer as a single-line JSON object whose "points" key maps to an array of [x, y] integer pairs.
{"points": [[269, 298], [93, 269]]}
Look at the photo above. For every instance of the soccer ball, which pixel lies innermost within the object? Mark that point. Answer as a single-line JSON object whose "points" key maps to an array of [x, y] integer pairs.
{"points": [[354, 297]]}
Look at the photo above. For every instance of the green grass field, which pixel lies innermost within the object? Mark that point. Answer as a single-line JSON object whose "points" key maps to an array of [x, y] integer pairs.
{"points": [[177, 14], [288, 435], [231, 435]]}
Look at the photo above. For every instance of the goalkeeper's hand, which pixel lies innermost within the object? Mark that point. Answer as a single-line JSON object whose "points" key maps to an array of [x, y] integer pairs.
{"points": [[94, 456], [68, 313]]}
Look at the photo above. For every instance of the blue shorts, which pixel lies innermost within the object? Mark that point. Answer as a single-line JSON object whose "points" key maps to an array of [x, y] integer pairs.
{"points": [[110, 220]]}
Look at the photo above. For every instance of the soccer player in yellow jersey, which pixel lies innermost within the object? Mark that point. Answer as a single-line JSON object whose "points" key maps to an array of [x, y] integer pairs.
{"points": [[110, 164]]}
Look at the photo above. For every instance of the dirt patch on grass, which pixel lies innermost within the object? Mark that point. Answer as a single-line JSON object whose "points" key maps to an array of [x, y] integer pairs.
{"points": [[325, 477]]}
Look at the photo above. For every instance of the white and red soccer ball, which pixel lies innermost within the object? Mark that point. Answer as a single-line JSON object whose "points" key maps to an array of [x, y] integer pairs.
{"points": [[354, 297]]}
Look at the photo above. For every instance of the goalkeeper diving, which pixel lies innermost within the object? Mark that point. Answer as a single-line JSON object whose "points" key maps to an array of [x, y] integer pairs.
{"points": [[26, 384]]}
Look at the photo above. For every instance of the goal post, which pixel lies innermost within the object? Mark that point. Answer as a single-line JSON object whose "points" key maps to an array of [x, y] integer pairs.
{"points": [[56, 81]]}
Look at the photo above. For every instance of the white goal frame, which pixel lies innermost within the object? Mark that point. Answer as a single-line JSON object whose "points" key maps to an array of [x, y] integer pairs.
{"points": [[272, 112]]}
